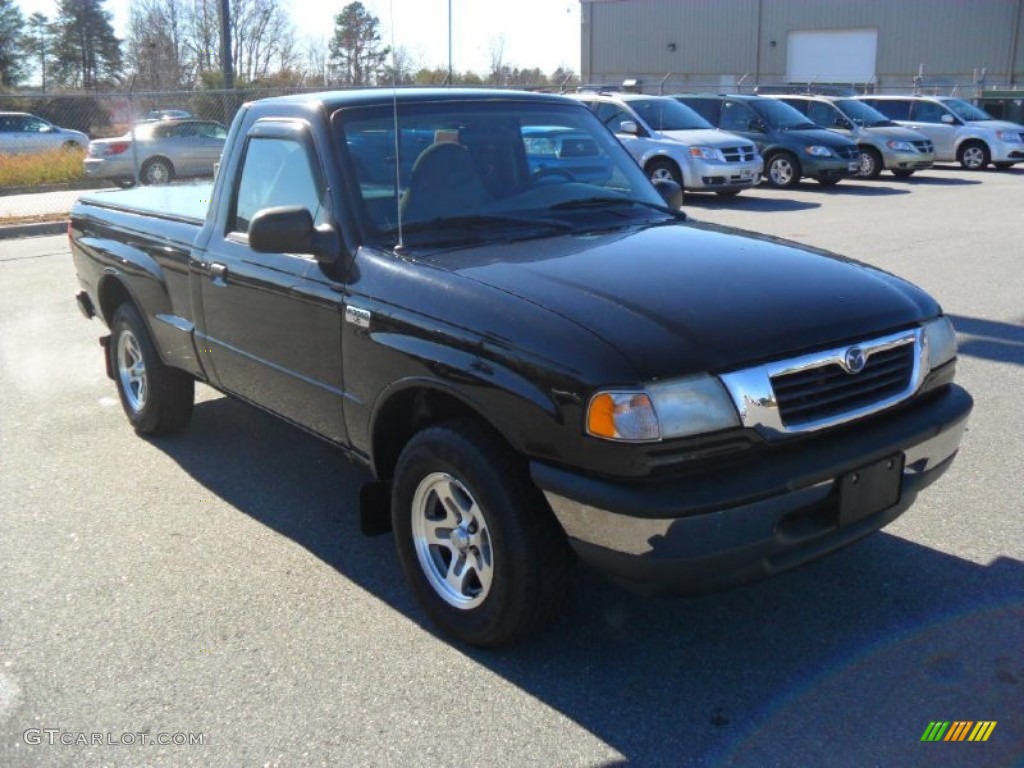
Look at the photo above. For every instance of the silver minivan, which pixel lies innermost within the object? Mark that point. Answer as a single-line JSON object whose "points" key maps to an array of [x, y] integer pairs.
{"points": [[959, 130], [882, 143], [672, 142]]}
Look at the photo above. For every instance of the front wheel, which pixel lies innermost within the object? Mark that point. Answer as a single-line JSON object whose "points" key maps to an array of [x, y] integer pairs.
{"points": [[973, 156], [782, 170], [157, 399], [869, 164], [664, 170], [482, 552]]}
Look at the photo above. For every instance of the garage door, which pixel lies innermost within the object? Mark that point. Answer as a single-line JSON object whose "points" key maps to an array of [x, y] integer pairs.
{"points": [[831, 56]]}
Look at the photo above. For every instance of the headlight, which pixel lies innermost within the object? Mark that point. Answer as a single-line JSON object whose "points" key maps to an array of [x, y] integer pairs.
{"points": [[899, 146], [1015, 136], [705, 153], [818, 151], [941, 339], [667, 409]]}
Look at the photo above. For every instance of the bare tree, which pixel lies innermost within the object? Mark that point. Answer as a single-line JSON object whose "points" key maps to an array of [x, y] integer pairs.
{"points": [[158, 44], [499, 69]]}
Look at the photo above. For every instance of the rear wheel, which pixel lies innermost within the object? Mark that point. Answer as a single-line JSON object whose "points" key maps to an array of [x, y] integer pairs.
{"points": [[157, 171], [973, 155], [157, 399], [482, 552], [869, 164], [782, 170]]}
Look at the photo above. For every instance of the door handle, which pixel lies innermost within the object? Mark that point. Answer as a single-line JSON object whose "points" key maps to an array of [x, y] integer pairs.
{"points": [[218, 271]]}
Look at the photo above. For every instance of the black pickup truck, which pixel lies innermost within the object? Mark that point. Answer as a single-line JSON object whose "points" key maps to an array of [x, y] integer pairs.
{"points": [[480, 296]]}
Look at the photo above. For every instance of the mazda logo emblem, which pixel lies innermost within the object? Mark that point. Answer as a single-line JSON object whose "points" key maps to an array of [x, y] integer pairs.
{"points": [[855, 360]]}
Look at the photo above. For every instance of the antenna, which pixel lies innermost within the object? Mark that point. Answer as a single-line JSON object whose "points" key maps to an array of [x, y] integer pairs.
{"points": [[394, 123]]}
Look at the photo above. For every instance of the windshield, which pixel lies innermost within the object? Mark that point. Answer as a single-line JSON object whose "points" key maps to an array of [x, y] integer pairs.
{"points": [[779, 115], [862, 114], [476, 169], [966, 111], [668, 115]]}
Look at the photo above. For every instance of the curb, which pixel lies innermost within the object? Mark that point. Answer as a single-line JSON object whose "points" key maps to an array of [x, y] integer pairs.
{"points": [[41, 229], [68, 186]]}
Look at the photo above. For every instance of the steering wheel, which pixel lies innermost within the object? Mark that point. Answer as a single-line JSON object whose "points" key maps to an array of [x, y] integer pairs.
{"points": [[545, 173]]}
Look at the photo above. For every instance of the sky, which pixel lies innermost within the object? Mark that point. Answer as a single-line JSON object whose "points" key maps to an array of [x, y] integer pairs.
{"points": [[535, 33]]}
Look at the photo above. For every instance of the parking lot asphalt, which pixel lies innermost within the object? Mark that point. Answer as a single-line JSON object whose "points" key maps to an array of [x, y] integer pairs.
{"points": [[214, 585]]}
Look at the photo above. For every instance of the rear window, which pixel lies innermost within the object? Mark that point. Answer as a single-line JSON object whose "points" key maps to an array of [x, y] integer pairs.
{"points": [[894, 109]]}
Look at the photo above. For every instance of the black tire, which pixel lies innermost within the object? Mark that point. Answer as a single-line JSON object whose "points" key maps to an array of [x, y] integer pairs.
{"points": [[157, 171], [664, 170], [513, 556], [1002, 166], [782, 170], [156, 399], [902, 174], [71, 146], [869, 163], [973, 155], [125, 183]]}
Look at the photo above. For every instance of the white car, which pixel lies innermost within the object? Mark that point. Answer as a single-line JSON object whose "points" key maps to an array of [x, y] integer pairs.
{"points": [[959, 130], [23, 134], [671, 141]]}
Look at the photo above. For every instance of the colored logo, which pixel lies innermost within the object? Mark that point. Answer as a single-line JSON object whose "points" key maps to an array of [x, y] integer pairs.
{"points": [[958, 730]]}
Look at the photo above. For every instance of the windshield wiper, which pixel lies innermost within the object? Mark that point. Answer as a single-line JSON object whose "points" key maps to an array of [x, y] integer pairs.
{"points": [[614, 202], [468, 228]]}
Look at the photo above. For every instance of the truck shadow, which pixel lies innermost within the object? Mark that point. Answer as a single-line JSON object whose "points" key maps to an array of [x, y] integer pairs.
{"points": [[989, 339], [747, 202], [851, 656]]}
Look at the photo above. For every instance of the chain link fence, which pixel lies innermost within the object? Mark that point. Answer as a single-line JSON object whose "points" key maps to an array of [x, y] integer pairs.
{"points": [[45, 137]]}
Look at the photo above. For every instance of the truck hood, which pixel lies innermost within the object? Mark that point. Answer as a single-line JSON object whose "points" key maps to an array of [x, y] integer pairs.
{"points": [[685, 298], [705, 137], [893, 132], [1000, 125]]}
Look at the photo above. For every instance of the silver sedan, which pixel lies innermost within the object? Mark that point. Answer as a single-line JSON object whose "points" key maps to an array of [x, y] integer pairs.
{"points": [[162, 151], [22, 133]]}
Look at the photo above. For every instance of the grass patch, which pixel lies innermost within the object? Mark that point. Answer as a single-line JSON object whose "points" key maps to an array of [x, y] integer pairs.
{"points": [[57, 166]]}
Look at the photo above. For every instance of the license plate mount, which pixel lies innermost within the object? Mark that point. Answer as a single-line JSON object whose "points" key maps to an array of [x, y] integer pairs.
{"points": [[871, 489]]}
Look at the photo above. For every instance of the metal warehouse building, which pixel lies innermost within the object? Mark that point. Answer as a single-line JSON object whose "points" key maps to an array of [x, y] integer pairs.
{"points": [[939, 46]]}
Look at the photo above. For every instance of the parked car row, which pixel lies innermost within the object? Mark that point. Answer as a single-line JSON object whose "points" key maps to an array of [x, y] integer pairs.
{"points": [[723, 143], [23, 134]]}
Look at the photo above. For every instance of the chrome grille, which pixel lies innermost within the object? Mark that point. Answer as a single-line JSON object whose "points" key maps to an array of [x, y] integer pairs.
{"points": [[814, 391], [828, 390], [741, 154]]}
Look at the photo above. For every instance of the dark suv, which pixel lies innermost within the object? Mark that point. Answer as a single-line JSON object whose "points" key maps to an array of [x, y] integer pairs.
{"points": [[792, 146]]}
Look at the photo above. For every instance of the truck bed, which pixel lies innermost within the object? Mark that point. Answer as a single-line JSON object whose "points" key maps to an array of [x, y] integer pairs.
{"points": [[187, 203]]}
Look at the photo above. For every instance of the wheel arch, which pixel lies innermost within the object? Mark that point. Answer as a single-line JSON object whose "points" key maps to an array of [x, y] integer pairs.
{"points": [[662, 156], [410, 407]]}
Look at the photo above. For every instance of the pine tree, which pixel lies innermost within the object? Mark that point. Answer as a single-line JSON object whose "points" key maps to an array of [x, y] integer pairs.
{"points": [[12, 24], [88, 55], [356, 50]]}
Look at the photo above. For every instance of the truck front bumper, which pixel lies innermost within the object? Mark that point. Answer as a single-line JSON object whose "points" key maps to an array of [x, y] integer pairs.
{"points": [[714, 530]]}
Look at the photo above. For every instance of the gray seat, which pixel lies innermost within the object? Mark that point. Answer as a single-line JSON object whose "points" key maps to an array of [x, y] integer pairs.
{"points": [[443, 183]]}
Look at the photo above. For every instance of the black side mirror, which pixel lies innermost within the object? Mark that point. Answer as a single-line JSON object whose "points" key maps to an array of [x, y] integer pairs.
{"points": [[670, 192], [289, 229]]}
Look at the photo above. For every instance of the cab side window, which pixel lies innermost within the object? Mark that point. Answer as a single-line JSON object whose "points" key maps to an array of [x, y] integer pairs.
{"points": [[822, 114], [276, 172], [736, 117], [613, 116], [894, 109], [928, 112]]}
